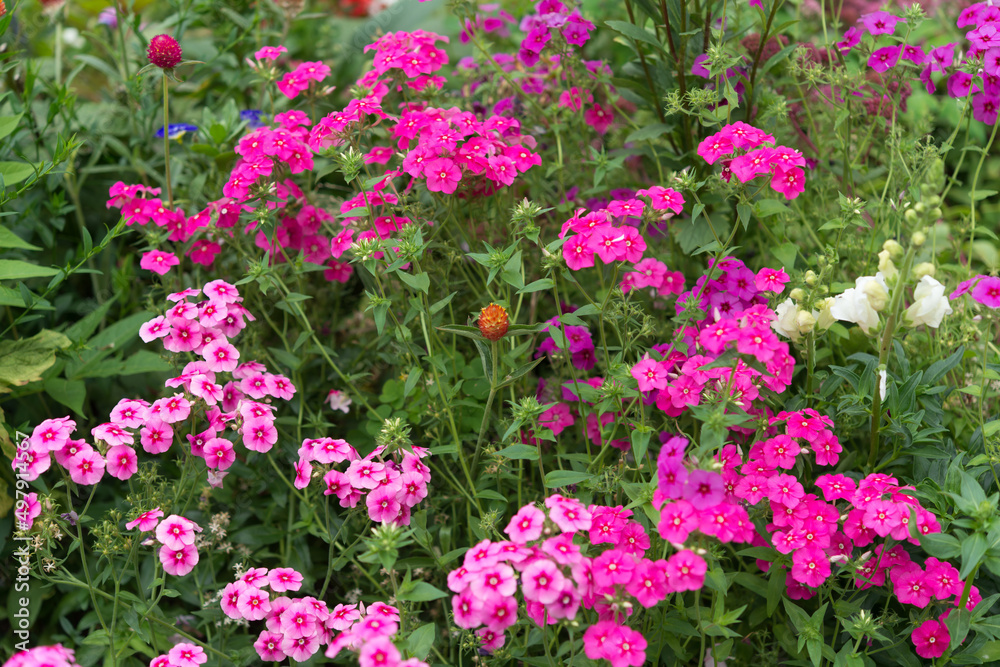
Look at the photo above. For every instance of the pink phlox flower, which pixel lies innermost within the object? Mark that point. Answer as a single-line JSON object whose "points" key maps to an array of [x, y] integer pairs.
{"points": [[86, 467], [910, 585], [880, 23], [121, 462], [158, 261], [270, 52], [810, 566], [568, 513], [541, 581], [221, 356], [790, 182], [685, 571], [677, 520], [176, 531], [178, 562], [146, 521], [714, 147], [663, 199], [931, 639], [526, 526], [852, 37], [987, 291], [771, 280]]}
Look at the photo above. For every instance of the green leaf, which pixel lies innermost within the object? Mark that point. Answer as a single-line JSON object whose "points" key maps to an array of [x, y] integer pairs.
{"points": [[942, 367], [23, 361], [12, 297], [419, 643], [785, 253], [744, 211], [15, 269], [420, 282], [8, 124], [973, 550], [649, 132], [519, 451], [462, 330], [15, 172], [9, 239], [511, 377], [560, 478], [544, 283], [640, 442], [941, 545], [767, 207], [635, 32], [411, 380], [421, 591], [70, 393]]}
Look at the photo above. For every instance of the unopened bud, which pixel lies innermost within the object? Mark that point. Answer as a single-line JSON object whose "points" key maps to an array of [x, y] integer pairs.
{"points": [[924, 269]]}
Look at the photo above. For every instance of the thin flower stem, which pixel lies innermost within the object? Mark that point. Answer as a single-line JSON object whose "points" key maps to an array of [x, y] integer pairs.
{"points": [[883, 353], [166, 139], [972, 194]]}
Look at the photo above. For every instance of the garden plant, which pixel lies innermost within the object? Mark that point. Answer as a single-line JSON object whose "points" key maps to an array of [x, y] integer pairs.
{"points": [[556, 333]]}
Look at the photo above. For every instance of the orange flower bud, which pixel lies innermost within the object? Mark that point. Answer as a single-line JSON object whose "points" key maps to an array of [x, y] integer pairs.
{"points": [[493, 322]]}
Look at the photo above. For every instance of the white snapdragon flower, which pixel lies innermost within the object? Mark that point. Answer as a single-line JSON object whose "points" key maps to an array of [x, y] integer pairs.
{"points": [[785, 324], [861, 304], [930, 304]]}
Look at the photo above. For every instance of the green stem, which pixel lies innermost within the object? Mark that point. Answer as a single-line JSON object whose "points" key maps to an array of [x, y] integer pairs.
{"points": [[166, 140], [883, 352], [972, 193]]}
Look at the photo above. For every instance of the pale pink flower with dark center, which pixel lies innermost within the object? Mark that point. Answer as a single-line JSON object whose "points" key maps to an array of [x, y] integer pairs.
{"points": [[86, 467], [219, 453], [122, 462], [187, 655], [146, 521], [220, 290], [178, 562], [156, 436], [221, 356], [284, 579], [176, 532], [253, 603]]}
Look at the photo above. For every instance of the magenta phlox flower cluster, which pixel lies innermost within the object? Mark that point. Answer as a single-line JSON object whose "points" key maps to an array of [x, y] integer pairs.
{"points": [[298, 80], [611, 235], [390, 484], [43, 656], [983, 35], [578, 339], [739, 319], [297, 628], [556, 578], [140, 205], [549, 38], [817, 531], [743, 153], [555, 26], [982, 289]]}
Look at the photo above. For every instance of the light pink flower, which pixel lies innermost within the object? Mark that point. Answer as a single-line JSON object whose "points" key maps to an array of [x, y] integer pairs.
{"points": [[158, 262], [178, 562]]}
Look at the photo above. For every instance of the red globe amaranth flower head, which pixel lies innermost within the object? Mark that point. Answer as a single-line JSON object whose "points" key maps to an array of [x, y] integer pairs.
{"points": [[493, 322], [164, 52]]}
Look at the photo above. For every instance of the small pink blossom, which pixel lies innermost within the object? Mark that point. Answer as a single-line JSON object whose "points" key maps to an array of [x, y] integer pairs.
{"points": [[158, 262]]}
